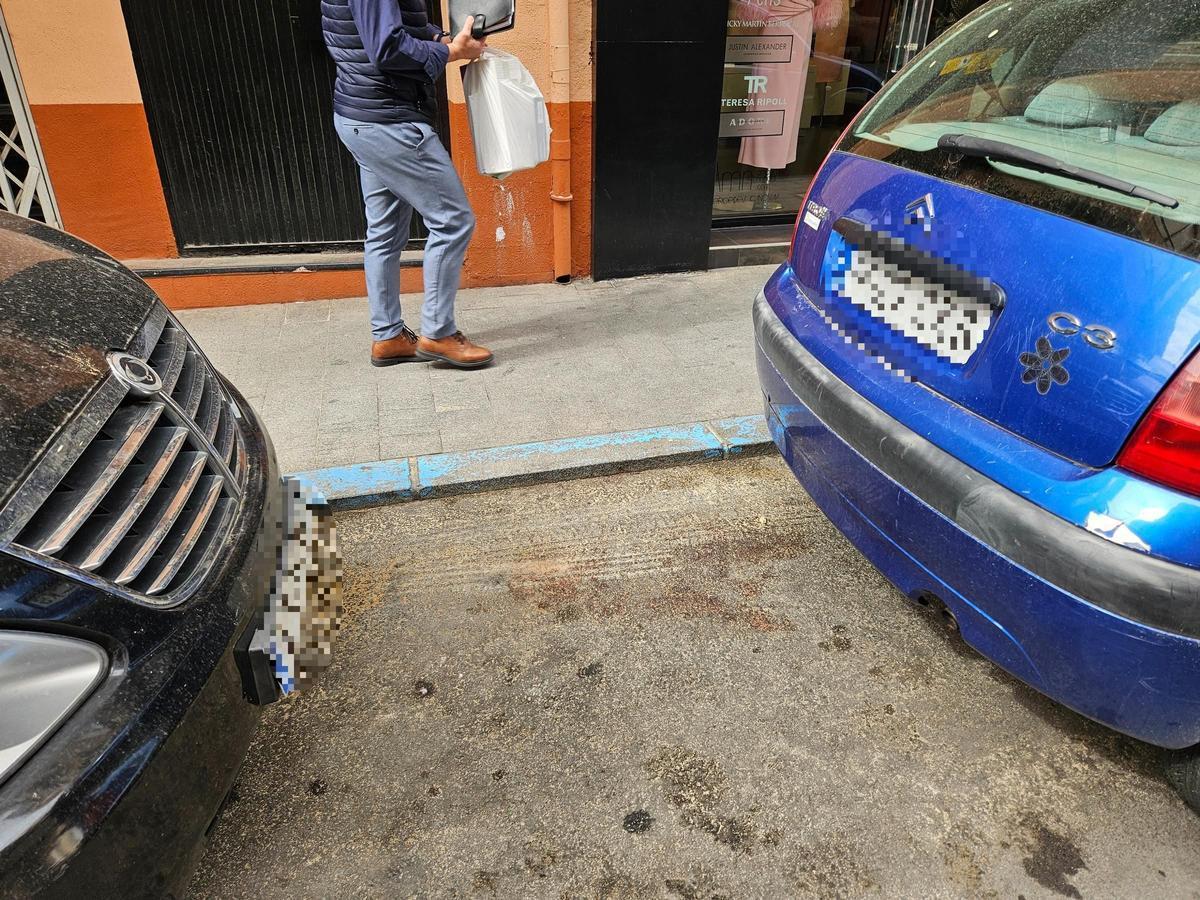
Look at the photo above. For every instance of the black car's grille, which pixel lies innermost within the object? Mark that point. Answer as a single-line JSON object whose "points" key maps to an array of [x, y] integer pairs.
{"points": [[153, 491]]}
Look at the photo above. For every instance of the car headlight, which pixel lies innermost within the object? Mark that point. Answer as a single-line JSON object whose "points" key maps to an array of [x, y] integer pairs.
{"points": [[43, 678]]}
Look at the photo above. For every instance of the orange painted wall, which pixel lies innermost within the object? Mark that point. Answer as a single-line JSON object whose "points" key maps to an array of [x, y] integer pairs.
{"points": [[520, 205], [105, 177], [77, 67], [514, 240], [78, 70], [200, 291], [581, 186]]}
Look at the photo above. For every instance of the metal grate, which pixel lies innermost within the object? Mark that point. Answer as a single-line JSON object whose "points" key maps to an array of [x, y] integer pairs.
{"points": [[239, 97], [24, 188], [155, 489]]}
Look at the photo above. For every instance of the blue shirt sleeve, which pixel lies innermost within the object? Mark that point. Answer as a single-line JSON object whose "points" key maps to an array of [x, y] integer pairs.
{"points": [[391, 48]]}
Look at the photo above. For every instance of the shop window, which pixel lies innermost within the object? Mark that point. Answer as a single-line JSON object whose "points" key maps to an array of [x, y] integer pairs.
{"points": [[796, 72]]}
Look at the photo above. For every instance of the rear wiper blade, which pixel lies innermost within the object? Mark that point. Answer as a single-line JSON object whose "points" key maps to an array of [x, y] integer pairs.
{"points": [[969, 145]]}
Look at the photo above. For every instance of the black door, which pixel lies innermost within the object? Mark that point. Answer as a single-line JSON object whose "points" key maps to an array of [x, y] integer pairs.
{"points": [[658, 80], [238, 97]]}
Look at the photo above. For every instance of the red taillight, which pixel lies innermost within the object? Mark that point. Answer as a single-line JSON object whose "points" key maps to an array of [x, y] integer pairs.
{"points": [[1166, 446]]}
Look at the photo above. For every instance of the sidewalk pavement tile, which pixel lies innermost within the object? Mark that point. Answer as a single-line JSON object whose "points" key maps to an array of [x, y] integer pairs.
{"points": [[414, 443], [572, 360]]}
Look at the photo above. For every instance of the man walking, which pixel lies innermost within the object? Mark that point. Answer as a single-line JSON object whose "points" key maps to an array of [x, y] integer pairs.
{"points": [[388, 59]]}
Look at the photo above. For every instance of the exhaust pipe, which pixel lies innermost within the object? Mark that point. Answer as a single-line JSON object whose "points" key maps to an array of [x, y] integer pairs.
{"points": [[937, 606]]}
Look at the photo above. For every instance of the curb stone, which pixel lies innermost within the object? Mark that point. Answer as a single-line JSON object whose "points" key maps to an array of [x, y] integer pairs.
{"points": [[446, 474]]}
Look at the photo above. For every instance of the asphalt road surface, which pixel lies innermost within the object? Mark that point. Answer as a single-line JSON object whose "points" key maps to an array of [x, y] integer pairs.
{"points": [[681, 684]]}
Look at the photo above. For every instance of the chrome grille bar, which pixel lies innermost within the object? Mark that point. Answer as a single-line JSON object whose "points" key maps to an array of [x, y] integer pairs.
{"points": [[159, 479], [190, 387], [96, 548], [223, 441], [201, 438], [238, 460], [160, 517], [169, 355], [87, 483], [208, 416], [181, 545]]}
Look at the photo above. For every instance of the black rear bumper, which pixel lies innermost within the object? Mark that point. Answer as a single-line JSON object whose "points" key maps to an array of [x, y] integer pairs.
{"points": [[117, 802]]}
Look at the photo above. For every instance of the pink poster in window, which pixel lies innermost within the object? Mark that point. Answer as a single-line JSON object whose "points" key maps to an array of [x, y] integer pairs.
{"points": [[780, 85]]}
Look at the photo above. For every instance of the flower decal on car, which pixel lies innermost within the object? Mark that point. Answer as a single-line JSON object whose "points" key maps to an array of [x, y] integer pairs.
{"points": [[1044, 368]]}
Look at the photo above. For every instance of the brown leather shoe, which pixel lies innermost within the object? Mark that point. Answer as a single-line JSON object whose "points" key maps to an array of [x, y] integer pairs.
{"points": [[400, 349], [456, 350]]}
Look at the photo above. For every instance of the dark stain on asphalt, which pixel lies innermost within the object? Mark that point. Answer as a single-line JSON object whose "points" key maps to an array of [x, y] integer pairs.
{"points": [[838, 642], [681, 601], [734, 549], [592, 670], [638, 822], [832, 867], [540, 864], [485, 881], [498, 775], [1052, 858], [619, 887], [695, 785], [702, 887], [737, 834], [318, 786]]}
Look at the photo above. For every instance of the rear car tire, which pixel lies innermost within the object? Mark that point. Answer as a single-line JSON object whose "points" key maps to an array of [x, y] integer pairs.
{"points": [[1183, 774]]}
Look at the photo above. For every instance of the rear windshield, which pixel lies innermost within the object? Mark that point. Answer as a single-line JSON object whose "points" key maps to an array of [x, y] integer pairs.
{"points": [[1109, 86]]}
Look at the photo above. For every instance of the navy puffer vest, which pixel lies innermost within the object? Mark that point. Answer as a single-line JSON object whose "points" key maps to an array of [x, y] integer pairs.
{"points": [[362, 92]]}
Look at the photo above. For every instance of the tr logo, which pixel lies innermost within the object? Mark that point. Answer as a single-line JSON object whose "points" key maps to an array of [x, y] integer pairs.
{"points": [[756, 84]]}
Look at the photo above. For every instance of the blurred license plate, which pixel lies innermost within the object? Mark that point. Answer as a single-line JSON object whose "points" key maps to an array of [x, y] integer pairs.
{"points": [[938, 318], [305, 609]]}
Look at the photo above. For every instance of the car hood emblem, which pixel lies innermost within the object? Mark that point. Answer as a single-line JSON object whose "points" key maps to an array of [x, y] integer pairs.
{"points": [[136, 374]]}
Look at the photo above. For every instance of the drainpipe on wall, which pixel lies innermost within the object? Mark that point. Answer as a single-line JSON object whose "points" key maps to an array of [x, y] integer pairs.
{"points": [[560, 144]]}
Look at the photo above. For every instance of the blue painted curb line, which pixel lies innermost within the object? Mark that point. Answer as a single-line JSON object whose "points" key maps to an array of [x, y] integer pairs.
{"points": [[446, 474]]}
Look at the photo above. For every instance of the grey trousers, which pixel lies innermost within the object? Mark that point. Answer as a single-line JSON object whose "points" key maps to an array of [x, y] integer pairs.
{"points": [[405, 167]]}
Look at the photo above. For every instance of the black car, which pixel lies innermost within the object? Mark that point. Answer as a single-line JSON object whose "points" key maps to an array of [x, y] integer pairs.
{"points": [[142, 521]]}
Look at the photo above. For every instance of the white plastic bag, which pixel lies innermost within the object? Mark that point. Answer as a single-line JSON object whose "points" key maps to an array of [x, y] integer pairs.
{"points": [[509, 122]]}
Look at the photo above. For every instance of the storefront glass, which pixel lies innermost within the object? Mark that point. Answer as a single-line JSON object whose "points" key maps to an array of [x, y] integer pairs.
{"points": [[796, 72]]}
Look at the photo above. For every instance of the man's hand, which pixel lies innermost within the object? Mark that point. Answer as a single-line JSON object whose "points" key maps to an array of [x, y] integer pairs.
{"points": [[464, 46]]}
